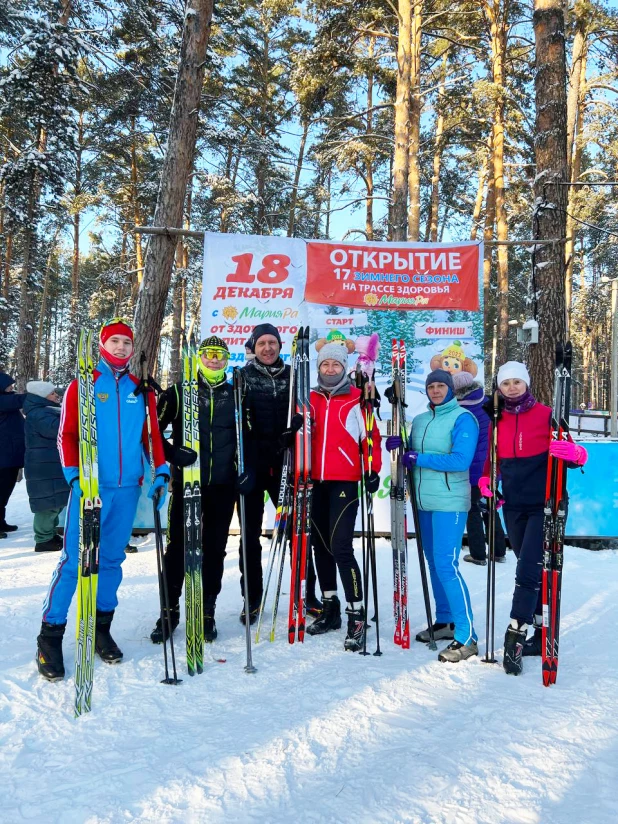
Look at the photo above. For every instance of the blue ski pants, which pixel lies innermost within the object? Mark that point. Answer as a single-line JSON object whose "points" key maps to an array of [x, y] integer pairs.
{"points": [[442, 533], [118, 508]]}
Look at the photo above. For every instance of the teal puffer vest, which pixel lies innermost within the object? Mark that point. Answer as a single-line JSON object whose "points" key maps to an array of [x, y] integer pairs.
{"points": [[432, 431]]}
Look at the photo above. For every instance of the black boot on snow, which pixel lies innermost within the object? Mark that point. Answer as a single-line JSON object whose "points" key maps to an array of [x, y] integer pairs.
{"points": [[534, 644], [254, 611], [49, 651], [104, 644], [4, 527], [329, 619], [313, 606], [159, 634], [356, 629], [514, 641], [48, 546]]}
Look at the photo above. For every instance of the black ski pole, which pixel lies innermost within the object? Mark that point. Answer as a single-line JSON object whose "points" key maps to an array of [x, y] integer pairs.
{"points": [[164, 603], [249, 668], [421, 559], [371, 535], [490, 611]]}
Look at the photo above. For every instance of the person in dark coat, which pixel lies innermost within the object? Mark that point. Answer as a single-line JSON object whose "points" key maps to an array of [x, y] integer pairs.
{"points": [[11, 445], [47, 488], [471, 396]]}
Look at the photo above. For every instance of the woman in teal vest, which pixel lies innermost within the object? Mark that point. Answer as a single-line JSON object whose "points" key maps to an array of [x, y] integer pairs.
{"points": [[443, 445]]}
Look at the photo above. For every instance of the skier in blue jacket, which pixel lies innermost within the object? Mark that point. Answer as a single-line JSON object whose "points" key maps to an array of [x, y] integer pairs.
{"points": [[123, 455], [443, 443]]}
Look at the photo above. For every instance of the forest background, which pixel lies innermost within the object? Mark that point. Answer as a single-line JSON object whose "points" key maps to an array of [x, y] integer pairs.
{"points": [[347, 119]]}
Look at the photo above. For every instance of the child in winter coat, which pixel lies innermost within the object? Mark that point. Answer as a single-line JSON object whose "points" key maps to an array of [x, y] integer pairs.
{"points": [[337, 427], [123, 454], [471, 396], [47, 488], [523, 448], [443, 444]]}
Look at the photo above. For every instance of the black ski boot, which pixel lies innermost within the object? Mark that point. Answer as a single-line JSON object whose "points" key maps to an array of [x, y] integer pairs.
{"points": [[254, 611], [4, 527], [210, 628], [48, 546], [158, 635], [49, 651], [329, 619], [104, 644], [313, 606], [514, 641], [356, 629], [534, 644]]}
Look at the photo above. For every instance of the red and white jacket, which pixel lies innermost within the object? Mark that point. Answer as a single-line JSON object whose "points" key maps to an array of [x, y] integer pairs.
{"points": [[337, 424]]}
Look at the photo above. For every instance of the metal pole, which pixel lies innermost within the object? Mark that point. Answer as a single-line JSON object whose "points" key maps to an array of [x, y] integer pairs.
{"points": [[613, 404]]}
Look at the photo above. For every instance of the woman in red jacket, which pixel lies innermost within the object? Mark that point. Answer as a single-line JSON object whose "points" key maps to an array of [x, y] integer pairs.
{"points": [[337, 428], [523, 449]]}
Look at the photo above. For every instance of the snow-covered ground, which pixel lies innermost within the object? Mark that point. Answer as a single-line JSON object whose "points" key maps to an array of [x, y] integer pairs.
{"points": [[317, 734]]}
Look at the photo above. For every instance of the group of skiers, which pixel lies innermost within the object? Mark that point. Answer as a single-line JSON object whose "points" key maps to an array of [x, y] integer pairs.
{"points": [[447, 452]]}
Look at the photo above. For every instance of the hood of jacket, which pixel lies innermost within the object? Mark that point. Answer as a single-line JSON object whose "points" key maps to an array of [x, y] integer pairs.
{"points": [[37, 402]]}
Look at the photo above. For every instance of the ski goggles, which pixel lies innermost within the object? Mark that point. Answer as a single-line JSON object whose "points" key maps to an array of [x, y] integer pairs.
{"points": [[214, 353]]}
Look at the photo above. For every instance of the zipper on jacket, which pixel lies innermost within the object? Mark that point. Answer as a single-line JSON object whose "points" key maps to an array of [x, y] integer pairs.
{"points": [[515, 436], [212, 406], [119, 430], [346, 456], [420, 473], [325, 434]]}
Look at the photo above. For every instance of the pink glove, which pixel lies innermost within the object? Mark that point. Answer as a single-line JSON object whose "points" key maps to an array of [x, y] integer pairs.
{"points": [[483, 485], [569, 451]]}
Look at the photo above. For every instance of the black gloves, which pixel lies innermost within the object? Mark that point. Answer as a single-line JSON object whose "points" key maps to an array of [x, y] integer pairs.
{"points": [[245, 483], [179, 456], [286, 439], [372, 482]]}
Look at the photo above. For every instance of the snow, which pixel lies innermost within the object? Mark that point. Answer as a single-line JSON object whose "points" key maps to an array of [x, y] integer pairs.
{"points": [[317, 734]]}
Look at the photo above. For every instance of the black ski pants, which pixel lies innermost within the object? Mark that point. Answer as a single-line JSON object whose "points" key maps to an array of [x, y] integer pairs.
{"points": [[217, 511], [477, 527], [255, 502], [525, 531], [333, 515], [8, 479]]}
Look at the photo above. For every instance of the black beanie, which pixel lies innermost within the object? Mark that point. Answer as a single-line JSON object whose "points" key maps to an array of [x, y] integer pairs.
{"points": [[263, 329]]}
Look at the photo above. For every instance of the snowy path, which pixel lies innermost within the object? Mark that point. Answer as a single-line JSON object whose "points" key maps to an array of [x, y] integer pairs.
{"points": [[317, 735]]}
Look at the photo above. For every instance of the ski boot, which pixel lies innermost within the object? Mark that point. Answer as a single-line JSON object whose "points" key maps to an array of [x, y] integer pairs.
{"points": [[534, 644], [48, 546], [210, 627], [254, 611], [456, 652], [49, 651], [472, 560], [514, 641], [313, 606], [329, 619], [104, 644], [355, 638], [4, 527], [441, 632], [159, 634]]}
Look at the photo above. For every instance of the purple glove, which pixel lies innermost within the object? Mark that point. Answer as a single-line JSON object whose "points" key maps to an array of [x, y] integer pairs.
{"points": [[483, 485], [409, 459], [393, 442], [569, 451]]}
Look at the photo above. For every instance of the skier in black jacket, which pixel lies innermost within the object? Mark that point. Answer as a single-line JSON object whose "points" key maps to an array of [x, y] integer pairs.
{"points": [[218, 480], [11, 445], [266, 381]]}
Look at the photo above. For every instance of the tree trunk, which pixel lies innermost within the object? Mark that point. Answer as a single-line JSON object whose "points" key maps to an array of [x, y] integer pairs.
{"points": [[575, 145], [488, 235], [137, 214], [551, 165], [370, 155], [402, 123], [416, 105], [478, 203], [152, 297], [497, 13], [431, 231], [44, 301], [24, 354], [299, 166]]}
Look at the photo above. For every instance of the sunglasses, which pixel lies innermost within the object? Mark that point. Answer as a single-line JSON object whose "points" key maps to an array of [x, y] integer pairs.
{"points": [[215, 354]]}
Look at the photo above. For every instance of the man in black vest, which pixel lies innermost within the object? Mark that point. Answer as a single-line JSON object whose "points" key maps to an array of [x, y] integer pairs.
{"points": [[267, 394]]}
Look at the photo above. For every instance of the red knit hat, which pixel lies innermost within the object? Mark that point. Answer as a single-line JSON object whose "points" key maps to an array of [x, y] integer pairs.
{"points": [[114, 327]]}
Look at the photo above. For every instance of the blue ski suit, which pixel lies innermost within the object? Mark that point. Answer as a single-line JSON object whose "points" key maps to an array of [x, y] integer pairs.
{"points": [[445, 439], [123, 453]]}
